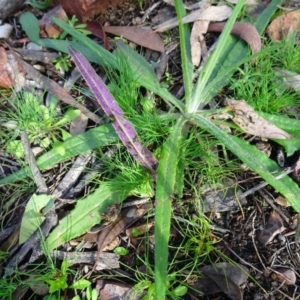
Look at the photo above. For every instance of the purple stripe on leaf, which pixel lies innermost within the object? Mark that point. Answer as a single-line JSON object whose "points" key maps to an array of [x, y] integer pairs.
{"points": [[111, 108]]}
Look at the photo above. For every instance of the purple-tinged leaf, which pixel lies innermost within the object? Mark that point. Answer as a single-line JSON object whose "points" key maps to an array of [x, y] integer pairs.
{"points": [[111, 108]]}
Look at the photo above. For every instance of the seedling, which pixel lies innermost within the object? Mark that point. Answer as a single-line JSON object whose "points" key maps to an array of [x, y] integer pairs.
{"points": [[62, 62], [41, 123], [79, 27]]}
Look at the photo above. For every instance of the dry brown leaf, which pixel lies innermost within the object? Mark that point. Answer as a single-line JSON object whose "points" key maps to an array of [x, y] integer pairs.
{"points": [[200, 27], [109, 290], [196, 39], [284, 24], [223, 277], [272, 228], [286, 275], [141, 36], [282, 201], [245, 31], [11, 73], [97, 29], [212, 13], [87, 9], [128, 217], [246, 117], [46, 23]]}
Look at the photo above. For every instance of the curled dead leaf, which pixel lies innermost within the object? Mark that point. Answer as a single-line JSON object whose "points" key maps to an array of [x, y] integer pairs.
{"points": [[246, 117], [245, 31]]}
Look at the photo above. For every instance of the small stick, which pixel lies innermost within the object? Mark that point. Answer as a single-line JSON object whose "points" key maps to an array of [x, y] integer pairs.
{"points": [[38, 178]]}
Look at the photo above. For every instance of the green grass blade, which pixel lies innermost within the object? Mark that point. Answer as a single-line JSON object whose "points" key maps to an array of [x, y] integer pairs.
{"points": [[165, 188], [213, 61], [256, 160], [185, 49], [97, 137], [233, 54]]}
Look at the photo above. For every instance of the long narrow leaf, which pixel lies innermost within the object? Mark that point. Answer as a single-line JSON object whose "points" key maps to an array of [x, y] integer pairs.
{"points": [[123, 128], [87, 213], [165, 188], [185, 49], [256, 160]]}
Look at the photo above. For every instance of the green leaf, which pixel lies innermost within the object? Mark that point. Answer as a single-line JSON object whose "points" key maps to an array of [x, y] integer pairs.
{"points": [[32, 218], [30, 25], [185, 50], [180, 291], [97, 137], [87, 213], [81, 284], [165, 188], [256, 160], [57, 284], [70, 115], [121, 251]]}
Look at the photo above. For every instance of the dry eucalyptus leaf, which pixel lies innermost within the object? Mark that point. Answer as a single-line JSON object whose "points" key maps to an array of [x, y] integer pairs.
{"points": [[141, 36], [246, 117], [212, 13]]}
